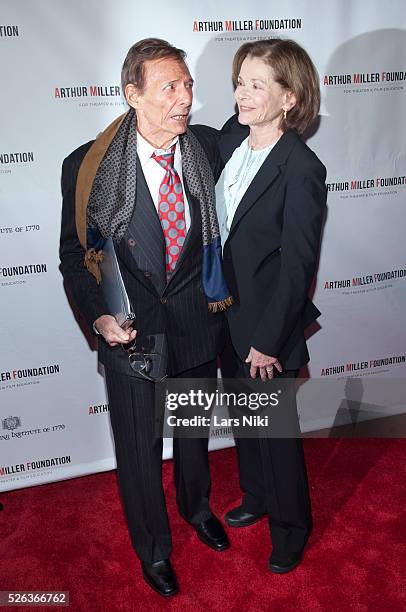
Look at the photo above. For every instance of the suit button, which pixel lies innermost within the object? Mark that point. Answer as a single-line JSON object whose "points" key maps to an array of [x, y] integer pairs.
{"points": [[131, 242], [164, 300], [147, 274]]}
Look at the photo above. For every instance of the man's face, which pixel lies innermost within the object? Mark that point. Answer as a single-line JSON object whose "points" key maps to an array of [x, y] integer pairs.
{"points": [[163, 106]]}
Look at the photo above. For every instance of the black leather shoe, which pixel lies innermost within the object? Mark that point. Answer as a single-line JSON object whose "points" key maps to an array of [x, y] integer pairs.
{"points": [[211, 532], [161, 577], [238, 517], [278, 565]]}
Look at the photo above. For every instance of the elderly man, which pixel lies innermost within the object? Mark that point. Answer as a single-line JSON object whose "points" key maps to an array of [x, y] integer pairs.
{"points": [[147, 183]]}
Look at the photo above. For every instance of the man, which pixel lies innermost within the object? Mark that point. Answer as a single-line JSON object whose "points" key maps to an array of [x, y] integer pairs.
{"points": [[146, 182]]}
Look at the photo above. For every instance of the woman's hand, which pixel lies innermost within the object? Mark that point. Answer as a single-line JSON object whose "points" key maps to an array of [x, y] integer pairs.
{"points": [[265, 364]]}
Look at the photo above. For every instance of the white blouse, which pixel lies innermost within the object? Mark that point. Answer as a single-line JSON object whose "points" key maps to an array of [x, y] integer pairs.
{"points": [[234, 181]]}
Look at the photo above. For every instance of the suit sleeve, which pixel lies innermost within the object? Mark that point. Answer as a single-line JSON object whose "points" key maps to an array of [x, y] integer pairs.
{"points": [[209, 139], [80, 282], [304, 210]]}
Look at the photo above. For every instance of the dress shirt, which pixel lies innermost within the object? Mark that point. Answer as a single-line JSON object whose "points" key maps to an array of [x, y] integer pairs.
{"points": [[234, 181], [154, 173]]}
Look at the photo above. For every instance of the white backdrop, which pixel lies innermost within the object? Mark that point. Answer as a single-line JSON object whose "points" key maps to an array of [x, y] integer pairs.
{"points": [[60, 72]]}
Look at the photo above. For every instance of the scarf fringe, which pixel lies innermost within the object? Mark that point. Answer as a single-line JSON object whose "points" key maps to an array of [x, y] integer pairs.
{"points": [[221, 305], [93, 259]]}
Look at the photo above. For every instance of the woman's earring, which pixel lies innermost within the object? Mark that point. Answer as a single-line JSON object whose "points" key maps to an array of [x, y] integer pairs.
{"points": [[284, 113]]}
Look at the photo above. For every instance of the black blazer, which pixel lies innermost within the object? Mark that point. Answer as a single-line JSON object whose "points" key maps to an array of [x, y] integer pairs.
{"points": [[178, 308], [271, 253]]}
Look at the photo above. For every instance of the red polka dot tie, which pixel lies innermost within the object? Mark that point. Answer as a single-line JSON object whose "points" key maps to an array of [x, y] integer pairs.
{"points": [[171, 209]]}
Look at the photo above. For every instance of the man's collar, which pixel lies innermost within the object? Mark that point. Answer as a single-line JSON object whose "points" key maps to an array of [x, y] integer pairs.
{"points": [[145, 149]]}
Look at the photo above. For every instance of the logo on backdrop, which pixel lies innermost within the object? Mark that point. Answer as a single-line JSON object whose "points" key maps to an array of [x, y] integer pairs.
{"points": [[16, 157], [12, 423], [380, 81], [366, 283], [366, 187], [19, 275], [27, 376], [91, 95], [9, 31], [221, 432], [247, 25], [11, 160], [19, 229], [98, 409], [364, 368], [32, 468]]}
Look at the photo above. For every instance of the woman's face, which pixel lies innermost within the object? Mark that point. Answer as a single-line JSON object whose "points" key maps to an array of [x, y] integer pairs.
{"points": [[260, 99]]}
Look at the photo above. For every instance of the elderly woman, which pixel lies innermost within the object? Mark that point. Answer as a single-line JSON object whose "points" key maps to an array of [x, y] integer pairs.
{"points": [[271, 201]]}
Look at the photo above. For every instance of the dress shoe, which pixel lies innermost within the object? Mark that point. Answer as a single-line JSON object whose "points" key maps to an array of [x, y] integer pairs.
{"points": [[280, 565], [211, 532], [238, 517], [161, 577]]}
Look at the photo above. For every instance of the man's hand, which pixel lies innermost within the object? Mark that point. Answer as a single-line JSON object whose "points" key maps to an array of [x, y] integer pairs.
{"points": [[265, 364], [108, 327]]}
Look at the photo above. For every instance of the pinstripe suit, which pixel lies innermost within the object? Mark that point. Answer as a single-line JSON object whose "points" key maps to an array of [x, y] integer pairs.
{"points": [[177, 308]]}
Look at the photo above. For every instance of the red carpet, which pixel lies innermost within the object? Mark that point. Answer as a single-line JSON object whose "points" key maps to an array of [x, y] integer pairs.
{"points": [[72, 536]]}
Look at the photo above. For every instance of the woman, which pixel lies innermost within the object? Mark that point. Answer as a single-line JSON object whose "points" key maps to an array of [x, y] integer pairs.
{"points": [[271, 200]]}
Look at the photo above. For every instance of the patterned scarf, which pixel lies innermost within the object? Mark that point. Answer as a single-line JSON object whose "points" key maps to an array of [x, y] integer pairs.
{"points": [[105, 199]]}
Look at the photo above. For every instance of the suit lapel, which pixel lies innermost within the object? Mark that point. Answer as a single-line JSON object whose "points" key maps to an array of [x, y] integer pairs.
{"points": [[146, 230], [266, 175]]}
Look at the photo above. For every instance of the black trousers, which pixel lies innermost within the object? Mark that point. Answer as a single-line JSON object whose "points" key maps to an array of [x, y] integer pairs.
{"points": [[139, 464], [273, 474]]}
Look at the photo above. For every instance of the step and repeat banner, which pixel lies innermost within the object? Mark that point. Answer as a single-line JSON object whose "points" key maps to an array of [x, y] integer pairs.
{"points": [[60, 85]]}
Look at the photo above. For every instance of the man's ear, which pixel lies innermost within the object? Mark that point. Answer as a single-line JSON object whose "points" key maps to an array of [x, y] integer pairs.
{"points": [[132, 95]]}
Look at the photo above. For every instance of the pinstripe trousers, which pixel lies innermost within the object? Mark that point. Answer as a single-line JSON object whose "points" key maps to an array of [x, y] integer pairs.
{"points": [[139, 464]]}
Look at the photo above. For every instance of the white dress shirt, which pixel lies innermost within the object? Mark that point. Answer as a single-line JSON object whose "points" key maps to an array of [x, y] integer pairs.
{"points": [[238, 173], [154, 173]]}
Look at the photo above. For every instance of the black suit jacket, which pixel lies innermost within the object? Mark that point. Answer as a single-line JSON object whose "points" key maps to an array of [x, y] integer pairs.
{"points": [[178, 308], [271, 253]]}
